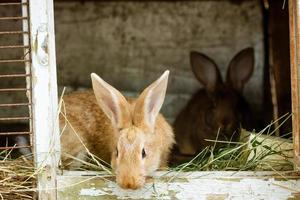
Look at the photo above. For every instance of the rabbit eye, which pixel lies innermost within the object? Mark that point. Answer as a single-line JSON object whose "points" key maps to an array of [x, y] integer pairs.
{"points": [[117, 152], [208, 117], [214, 104], [143, 153]]}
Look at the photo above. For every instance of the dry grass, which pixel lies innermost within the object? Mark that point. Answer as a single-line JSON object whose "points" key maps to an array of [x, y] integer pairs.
{"points": [[17, 177], [255, 152]]}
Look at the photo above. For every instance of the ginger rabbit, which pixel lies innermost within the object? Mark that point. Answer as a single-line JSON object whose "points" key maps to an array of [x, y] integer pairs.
{"points": [[130, 134]]}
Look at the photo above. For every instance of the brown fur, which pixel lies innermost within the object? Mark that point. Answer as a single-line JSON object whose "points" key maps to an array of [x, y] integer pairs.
{"points": [[129, 135], [217, 111]]}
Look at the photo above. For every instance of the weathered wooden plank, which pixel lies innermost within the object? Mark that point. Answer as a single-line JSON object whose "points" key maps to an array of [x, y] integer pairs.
{"points": [[197, 185], [44, 96], [294, 14], [279, 61]]}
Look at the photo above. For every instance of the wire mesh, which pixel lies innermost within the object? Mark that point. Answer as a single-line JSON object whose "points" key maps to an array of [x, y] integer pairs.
{"points": [[15, 77]]}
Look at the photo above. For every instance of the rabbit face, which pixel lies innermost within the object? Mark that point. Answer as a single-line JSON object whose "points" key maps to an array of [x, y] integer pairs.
{"points": [[224, 113], [135, 156], [139, 143], [223, 109]]}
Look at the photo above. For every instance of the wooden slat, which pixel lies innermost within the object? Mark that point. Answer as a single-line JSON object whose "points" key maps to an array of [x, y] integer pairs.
{"points": [[279, 61], [294, 14], [44, 97], [184, 185]]}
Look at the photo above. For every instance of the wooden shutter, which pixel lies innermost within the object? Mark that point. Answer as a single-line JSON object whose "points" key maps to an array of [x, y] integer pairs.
{"points": [[294, 14]]}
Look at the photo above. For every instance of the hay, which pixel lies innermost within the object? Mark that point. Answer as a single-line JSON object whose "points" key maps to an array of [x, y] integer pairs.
{"points": [[17, 178], [254, 152]]}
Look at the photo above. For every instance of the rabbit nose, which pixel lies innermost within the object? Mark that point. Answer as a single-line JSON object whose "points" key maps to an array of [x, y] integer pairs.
{"points": [[225, 122], [131, 182]]}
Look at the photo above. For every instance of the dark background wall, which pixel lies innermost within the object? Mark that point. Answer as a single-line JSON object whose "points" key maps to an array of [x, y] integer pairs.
{"points": [[130, 43]]}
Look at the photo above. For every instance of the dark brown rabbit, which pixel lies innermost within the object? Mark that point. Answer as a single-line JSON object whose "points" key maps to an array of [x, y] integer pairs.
{"points": [[218, 109]]}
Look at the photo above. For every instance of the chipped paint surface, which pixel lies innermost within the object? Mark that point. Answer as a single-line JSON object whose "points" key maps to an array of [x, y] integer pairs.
{"points": [[46, 141], [198, 185], [91, 192]]}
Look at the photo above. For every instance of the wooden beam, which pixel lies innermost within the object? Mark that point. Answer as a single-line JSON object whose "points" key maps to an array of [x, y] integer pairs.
{"points": [[44, 96], [279, 61], [294, 18], [187, 185]]}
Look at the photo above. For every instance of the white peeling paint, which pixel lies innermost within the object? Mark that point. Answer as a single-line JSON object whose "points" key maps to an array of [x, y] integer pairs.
{"points": [[203, 188], [44, 96], [233, 190], [92, 192], [147, 192], [197, 185]]}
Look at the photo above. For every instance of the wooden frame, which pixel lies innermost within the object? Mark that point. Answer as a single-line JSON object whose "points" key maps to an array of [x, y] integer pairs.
{"points": [[44, 96], [184, 185], [45, 108], [294, 14]]}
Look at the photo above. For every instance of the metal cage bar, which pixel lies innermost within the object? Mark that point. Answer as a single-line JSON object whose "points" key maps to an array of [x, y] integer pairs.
{"points": [[12, 32], [14, 104], [13, 46], [16, 133], [18, 57], [13, 4], [16, 147], [13, 75], [14, 61], [13, 89], [12, 18]]}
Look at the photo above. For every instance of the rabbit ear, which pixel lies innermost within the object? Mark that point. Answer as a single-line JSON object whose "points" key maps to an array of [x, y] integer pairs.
{"points": [[206, 71], [240, 69], [111, 101], [149, 103]]}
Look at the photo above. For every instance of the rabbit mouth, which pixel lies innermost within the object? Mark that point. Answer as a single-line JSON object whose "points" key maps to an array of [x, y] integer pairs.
{"points": [[130, 182], [229, 134]]}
